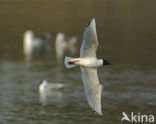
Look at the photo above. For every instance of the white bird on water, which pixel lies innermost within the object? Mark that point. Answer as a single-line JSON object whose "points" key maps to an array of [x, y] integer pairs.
{"points": [[35, 44], [49, 91], [63, 45], [46, 87], [88, 64]]}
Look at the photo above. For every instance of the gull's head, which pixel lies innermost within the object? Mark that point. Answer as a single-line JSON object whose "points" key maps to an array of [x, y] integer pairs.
{"points": [[60, 36], [105, 62], [43, 82], [42, 85], [28, 33]]}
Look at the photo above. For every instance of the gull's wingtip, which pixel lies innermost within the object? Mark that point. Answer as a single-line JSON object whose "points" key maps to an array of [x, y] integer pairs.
{"points": [[99, 112], [91, 24], [93, 19]]}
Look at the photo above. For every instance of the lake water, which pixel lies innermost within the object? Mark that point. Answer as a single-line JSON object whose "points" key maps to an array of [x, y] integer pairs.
{"points": [[127, 35]]}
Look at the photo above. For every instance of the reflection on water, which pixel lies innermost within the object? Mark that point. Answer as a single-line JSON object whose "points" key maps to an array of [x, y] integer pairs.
{"points": [[126, 38], [50, 91], [53, 97], [125, 89]]}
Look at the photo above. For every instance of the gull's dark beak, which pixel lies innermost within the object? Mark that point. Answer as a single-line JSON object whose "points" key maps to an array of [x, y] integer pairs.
{"points": [[105, 62]]}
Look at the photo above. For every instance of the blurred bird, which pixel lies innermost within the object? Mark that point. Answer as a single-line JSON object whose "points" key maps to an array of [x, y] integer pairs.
{"points": [[49, 90], [88, 64], [45, 86], [34, 45], [63, 45]]}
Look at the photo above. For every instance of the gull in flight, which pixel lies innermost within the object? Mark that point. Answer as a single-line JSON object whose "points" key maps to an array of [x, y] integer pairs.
{"points": [[63, 45], [35, 44], [88, 64]]}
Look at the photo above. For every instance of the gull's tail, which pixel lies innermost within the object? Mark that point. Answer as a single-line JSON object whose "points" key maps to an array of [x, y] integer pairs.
{"points": [[70, 62]]}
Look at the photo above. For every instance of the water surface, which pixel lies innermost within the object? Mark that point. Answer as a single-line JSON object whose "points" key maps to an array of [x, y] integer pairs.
{"points": [[127, 39]]}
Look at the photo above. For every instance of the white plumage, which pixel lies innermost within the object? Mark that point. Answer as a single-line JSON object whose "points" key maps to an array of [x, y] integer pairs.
{"points": [[46, 87], [49, 90], [88, 64], [63, 45], [33, 45]]}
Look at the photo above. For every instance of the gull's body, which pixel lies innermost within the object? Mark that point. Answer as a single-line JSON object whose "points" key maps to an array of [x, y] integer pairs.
{"points": [[62, 45], [88, 64], [84, 62], [33, 45], [46, 87]]}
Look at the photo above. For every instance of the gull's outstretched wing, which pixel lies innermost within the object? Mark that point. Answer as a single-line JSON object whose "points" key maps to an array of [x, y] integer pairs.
{"points": [[92, 88], [90, 41]]}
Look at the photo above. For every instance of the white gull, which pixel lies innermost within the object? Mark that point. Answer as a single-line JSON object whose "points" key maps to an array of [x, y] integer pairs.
{"points": [[88, 64]]}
